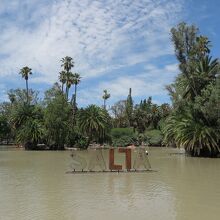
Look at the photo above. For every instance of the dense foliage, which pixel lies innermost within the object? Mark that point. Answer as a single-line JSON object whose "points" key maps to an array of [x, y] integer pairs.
{"points": [[56, 122], [94, 122], [194, 122]]}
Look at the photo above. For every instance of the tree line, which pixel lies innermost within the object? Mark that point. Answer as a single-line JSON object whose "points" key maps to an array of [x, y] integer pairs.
{"points": [[56, 122]]}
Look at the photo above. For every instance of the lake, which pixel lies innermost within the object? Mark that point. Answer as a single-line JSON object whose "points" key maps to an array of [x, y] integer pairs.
{"points": [[35, 186]]}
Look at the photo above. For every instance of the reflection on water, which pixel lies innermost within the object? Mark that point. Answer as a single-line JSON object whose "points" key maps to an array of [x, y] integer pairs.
{"points": [[34, 185]]}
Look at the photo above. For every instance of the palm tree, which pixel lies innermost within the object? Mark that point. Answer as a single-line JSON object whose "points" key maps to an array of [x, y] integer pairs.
{"points": [[67, 63], [94, 122], [76, 81], [31, 133], [25, 72], [63, 78], [105, 96], [206, 71], [194, 135], [22, 112], [69, 83]]}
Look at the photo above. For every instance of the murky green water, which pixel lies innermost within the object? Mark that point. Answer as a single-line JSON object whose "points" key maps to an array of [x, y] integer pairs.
{"points": [[35, 186]]}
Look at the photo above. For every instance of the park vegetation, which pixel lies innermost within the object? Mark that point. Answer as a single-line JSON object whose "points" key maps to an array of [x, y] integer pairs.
{"points": [[192, 120]]}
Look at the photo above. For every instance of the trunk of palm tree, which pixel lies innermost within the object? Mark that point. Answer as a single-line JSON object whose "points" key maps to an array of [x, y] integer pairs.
{"points": [[62, 88], [67, 92], [104, 103], [74, 105], [27, 91], [75, 97]]}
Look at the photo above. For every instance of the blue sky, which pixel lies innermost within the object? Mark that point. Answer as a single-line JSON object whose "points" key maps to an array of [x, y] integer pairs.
{"points": [[116, 44]]}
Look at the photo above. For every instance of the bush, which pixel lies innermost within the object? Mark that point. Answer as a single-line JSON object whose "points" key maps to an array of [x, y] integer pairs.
{"points": [[124, 141], [120, 132], [82, 143], [154, 137], [122, 137]]}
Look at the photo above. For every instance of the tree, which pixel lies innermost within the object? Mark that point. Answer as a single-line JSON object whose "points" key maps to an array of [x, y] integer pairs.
{"points": [[148, 115], [191, 51], [105, 96], [69, 83], [198, 138], [193, 123], [21, 113], [25, 72], [119, 114], [27, 122], [129, 108], [94, 122], [67, 63], [76, 81], [20, 96], [5, 130], [56, 117], [52, 93], [31, 133], [62, 78]]}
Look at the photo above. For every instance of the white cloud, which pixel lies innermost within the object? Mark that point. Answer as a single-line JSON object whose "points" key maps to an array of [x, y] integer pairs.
{"points": [[149, 83], [101, 36], [93, 32], [173, 68], [3, 97]]}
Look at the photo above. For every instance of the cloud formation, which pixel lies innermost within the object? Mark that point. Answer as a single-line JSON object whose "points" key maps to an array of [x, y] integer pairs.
{"points": [[103, 37]]}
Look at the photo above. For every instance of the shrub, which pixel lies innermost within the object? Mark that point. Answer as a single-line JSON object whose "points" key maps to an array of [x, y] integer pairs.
{"points": [[124, 141], [154, 137], [122, 137], [120, 132], [82, 143]]}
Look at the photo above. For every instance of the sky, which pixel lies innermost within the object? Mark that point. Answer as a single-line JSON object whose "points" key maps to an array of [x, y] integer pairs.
{"points": [[115, 44]]}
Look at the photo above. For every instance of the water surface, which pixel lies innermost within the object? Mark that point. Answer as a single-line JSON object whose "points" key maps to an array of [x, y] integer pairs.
{"points": [[35, 186]]}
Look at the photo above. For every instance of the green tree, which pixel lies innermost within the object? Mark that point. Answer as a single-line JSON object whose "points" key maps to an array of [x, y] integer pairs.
{"points": [[198, 138], [67, 64], [69, 83], [56, 117], [31, 133], [52, 93], [20, 96], [76, 81], [27, 122], [190, 125], [94, 122], [5, 130], [105, 96], [62, 78], [25, 72], [119, 114], [129, 108]]}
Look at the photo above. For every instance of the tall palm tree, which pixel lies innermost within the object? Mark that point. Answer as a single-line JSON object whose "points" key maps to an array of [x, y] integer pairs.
{"points": [[105, 96], [69, 83], [63, 78], [76, 81], [67, 63], [25, 72]]}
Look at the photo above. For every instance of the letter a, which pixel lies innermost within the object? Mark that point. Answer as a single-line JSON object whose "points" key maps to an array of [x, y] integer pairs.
{"points": [[96, 158], [141, 159]]}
